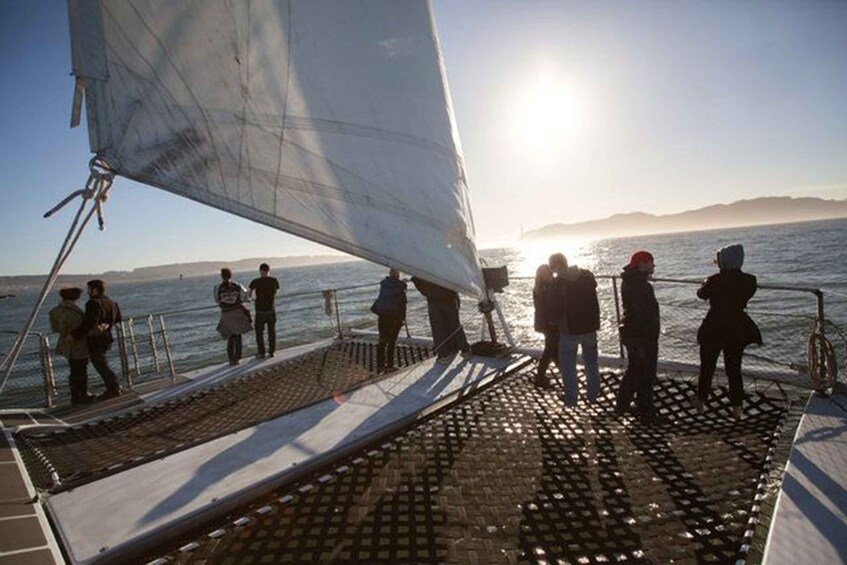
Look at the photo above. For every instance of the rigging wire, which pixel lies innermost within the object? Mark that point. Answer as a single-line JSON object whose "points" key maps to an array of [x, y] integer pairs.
{"points": [[96, 192]]}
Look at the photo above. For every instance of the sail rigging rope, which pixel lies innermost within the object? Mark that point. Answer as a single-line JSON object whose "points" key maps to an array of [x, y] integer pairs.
{"points": [[96, 191], [823, 365]]}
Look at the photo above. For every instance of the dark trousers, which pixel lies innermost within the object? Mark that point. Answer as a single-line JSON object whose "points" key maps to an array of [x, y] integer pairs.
{"points": [[642, 357], [78, 380], [732, 365], [389, 329], [262, 320], [233, 348], [550, 353], [448, 335], [97, 354]]}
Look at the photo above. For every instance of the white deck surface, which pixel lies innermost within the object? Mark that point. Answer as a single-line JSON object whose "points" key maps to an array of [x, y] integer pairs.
{"points": [[810, 521], [96, 519]]}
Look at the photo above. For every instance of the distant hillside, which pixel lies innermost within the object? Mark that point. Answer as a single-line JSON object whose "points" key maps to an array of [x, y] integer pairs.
{"points": [[755, 212], [161, 272]]}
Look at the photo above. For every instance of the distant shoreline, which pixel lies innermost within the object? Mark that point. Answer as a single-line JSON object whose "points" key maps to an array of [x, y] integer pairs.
{"points": [[16, 283], [757, 212]]}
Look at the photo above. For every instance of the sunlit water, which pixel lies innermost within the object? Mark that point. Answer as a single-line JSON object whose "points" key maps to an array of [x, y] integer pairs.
{"points": [[808, 255]]}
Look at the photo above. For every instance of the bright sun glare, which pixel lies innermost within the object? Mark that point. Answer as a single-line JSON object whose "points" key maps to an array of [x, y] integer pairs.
{"points": [[549, 115]]}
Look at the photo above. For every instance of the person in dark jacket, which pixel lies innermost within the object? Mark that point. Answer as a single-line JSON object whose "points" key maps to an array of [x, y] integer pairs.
{"points": [[264, 289], [726, 327], [390, 308], [639, 333], [101, 314], [577, 311], [448, 336], [544, 323]]}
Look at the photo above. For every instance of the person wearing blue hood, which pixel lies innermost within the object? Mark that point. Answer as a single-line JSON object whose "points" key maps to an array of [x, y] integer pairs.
{"points": [[726, 327], [390, 308]]}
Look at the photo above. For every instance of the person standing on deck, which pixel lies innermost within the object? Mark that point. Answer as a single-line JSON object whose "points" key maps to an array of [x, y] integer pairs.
{"points": [[443, 304], [545, 323], [101, 314], [235, 317], [390, 308], [264, 290], [577, 311], [639, 332], [726, 327], [65, 318]]}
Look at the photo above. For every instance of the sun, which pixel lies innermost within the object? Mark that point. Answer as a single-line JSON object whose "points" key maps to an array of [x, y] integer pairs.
{"points": [[548, 114]]}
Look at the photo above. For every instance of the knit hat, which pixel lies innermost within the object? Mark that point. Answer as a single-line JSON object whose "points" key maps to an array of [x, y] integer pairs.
{"points": [[731, 256], [639, 257]]}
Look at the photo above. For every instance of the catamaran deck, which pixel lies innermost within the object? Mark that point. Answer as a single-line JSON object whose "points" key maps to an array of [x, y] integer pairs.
{"points": [[312, 456]]}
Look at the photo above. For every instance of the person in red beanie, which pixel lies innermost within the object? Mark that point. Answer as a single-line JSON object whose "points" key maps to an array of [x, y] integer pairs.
{"points": [[639, 332]]}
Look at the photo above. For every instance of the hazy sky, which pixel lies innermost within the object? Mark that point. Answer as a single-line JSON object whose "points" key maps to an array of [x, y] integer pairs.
{"points": [[567, 111]]}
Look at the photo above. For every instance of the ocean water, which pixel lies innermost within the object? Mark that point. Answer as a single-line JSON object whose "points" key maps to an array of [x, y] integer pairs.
{"points": [[809, 255]]}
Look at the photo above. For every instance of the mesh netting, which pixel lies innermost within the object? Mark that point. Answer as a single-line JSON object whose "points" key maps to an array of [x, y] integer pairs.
{"points": [[84, 453], [510, 475]]}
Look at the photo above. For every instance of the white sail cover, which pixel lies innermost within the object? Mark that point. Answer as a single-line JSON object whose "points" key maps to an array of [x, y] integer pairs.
{"points": [[330, 120]]}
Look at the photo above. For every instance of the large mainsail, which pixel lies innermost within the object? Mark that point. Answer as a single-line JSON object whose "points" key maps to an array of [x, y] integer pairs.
{"points": [[330, 120]]}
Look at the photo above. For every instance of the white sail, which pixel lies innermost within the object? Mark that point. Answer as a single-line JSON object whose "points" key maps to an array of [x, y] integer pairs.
{"points": [[330, 120]]}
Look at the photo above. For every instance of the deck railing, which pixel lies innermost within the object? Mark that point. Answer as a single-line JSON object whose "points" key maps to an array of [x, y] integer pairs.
{"points": [[163, 345]]}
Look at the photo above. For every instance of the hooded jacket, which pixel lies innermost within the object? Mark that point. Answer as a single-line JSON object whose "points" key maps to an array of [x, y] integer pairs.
{"points": [[727, 324], [640, 307], [65, 318], [392, 298]]}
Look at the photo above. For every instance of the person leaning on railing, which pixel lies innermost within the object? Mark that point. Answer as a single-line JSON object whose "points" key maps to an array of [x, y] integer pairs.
{"points": [[235, 320], [726, 327], [390, 308]]}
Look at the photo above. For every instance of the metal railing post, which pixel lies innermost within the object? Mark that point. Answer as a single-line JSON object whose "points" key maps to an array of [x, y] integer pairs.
{"points": [[337, 314], [47, 369], [152, 335], [122, 351], [618, 315], [167, 343], [129, 324]]}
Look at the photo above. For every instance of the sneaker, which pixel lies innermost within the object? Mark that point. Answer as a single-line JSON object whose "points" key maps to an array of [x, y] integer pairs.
{"points": [[654, 420], [271, 354], [737, 413], [260, 356], [111, 394], [234, 362], [542, 382], [698, 404], [443, 361]]}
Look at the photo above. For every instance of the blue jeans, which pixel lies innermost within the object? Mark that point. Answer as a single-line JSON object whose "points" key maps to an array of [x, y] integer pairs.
{"points": [[568, 344]]}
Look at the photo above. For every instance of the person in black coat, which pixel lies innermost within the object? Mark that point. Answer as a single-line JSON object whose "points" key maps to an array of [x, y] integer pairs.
{"points": [[726, 327], [545, 323], [639, 333], [101, 314], [448, 336], [576, 309], [390, 308]]}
